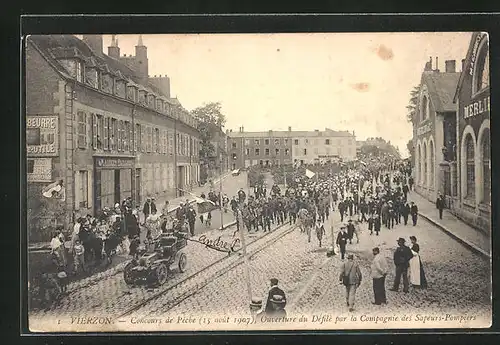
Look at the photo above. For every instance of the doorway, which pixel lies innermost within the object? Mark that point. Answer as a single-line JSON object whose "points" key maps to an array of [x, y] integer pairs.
{"points": [[117, 186], [97, 190]]}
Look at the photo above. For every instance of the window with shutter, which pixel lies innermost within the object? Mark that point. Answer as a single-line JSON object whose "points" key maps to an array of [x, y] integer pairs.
{"points": [[82, 130], [106, 133], [143, 139], [137, 137], [94, 131], [157, 134]]}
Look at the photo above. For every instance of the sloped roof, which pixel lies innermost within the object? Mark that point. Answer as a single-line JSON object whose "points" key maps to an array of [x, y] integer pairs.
{"points": [[53, 47], [441, 88]]}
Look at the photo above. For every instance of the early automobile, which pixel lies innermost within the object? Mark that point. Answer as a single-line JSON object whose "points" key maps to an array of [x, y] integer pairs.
{"points": [[152, 266]]}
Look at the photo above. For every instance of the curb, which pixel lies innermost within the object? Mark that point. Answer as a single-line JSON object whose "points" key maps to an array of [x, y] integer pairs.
{"points": [[466, 243]]}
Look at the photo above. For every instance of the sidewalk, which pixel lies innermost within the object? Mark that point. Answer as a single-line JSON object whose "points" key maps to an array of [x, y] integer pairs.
{"points": [[467, 235]]}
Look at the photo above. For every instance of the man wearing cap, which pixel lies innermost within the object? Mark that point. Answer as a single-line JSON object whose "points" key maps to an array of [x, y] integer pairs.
{"points": [[350, 230], [276, 299], [350, 277], [342, 239], [402, 257]]}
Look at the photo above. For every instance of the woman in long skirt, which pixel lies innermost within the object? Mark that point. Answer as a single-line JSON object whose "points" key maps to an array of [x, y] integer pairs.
{"points": [[417, 274]]}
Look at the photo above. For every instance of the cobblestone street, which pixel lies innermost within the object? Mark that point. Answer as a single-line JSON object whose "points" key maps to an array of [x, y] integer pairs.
{"points": [[458, 279]]}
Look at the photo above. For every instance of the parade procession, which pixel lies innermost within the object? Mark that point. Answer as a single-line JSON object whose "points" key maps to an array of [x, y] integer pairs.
{"points": [[145, 216]]}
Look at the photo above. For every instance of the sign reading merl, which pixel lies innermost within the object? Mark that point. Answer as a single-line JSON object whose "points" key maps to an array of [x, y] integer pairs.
{"points": [[477, 108], [424, 129]]}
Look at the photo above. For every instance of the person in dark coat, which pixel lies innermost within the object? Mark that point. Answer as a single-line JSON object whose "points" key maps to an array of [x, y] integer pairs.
{"points": [[414, 213], [191, 218], [377, 223], [149, 208], [410, 183], [405, 190], [371, 220], [405, 212], [276, 299], [342, 209], [342, 239], [440, 204], [402, 257], [350, 230]]}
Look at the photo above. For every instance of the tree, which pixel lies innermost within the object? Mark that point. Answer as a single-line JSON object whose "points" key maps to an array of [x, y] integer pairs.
{"points": [[411, 149], [413, 104], [211, 122]]}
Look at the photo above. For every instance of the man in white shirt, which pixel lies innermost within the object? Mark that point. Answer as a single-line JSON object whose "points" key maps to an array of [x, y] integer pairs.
{"points": [[379, 269]]}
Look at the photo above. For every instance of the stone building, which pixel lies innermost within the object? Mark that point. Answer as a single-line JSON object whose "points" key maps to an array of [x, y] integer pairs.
{"points": [[434, 127], [286, 147], [472, 187], [114, 131]]}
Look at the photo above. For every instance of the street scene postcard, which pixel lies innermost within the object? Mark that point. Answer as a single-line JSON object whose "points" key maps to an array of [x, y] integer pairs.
{"points": [[236, 182]]}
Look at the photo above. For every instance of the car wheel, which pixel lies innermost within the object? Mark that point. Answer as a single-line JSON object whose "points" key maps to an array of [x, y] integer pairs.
{"points": [[161, 274], [182, 263], [127, 274]]}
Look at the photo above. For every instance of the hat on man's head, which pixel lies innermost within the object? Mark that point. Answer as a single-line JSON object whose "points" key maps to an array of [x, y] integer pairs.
{"points": [[401, 240], [256, 302], [350, 256]]}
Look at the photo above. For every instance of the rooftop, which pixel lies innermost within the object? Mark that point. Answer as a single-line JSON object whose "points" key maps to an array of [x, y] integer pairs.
{"points": [[441, 87]]}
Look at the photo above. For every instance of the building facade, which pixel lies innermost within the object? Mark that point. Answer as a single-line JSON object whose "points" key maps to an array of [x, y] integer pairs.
{"points": [[433, 129], [286, 147], [104, 127], [472, 98]]}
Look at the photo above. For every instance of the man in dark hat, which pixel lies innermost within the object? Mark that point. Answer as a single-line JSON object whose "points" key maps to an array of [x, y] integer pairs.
{"points": [[402, 257], [440, 204], [276, 299], [350, 230], [342, 239]]}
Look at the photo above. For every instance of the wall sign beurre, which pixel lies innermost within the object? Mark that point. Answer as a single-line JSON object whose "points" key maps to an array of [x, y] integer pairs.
{"points": [[114, 163], [42, 134]]}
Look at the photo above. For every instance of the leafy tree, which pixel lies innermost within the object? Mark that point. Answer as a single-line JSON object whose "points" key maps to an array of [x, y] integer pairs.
{"points": [[211, 122], [411, 149], [413, 104]]}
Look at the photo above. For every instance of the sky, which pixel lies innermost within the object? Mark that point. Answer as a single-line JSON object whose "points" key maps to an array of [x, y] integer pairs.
{"points": [[344, 81]]}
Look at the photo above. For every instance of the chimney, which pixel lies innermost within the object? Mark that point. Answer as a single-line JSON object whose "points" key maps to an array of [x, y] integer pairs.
{"points": [[428, 65], [242, 129], [141, 57], [463, 64], [94, 42], [113, 49], [437, 65], [450, 66], [289, 128]]}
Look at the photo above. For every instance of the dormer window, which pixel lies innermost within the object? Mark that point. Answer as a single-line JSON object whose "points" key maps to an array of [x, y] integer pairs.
{"points": [[159, 105], [79, 72], [120, 88], [131, 93], [151, 101], [142, 96], [92, 77], [106, 83]]}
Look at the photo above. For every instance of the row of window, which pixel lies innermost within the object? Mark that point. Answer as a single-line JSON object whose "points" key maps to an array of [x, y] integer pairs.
{"points": [[470, 192], [298, 152], [110, 134], [119, 87], [295, 142]]}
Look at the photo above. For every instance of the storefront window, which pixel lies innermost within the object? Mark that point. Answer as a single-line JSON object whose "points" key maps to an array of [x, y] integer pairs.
{"points": [[471, 177]]}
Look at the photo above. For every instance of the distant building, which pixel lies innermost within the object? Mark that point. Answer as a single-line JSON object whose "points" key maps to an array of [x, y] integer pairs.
{"points": [[103, 126], [471, 190], [434, 127], [286, 147]]}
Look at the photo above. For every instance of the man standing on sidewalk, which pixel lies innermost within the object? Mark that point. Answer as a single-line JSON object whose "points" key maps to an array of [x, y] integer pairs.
{"points": [[414, 213], [402, 257], [440, 203], [379, 271]]}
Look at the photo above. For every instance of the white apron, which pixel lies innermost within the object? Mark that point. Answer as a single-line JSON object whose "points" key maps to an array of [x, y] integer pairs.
{"points": [[415, 269]]}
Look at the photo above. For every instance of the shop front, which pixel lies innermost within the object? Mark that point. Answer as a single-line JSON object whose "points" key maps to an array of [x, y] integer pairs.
{"points": [[114, 180]]}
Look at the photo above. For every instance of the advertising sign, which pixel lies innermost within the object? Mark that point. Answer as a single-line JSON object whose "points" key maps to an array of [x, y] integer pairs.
{"points": [[39, 170], [42, 133], [114, 163]]}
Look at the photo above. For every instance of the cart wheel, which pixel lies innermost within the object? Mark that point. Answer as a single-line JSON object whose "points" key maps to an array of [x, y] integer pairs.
{"points": [[161, 274], [127, 276], [182, 263]]}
